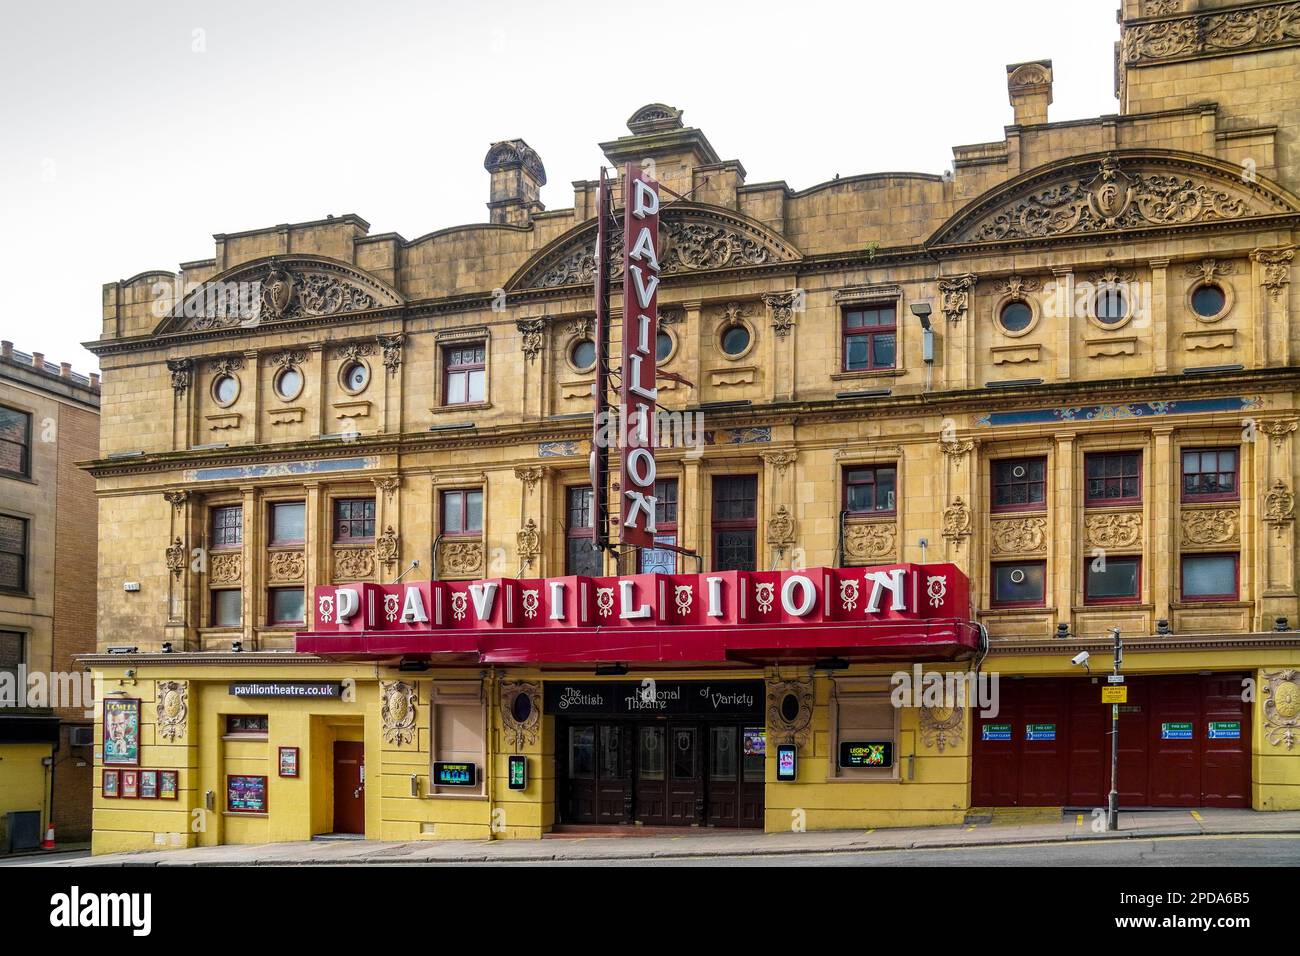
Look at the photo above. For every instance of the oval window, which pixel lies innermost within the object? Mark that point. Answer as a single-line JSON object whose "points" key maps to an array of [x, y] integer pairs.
{"points": [[583, 354], [1208, 301], [735, 340], [789, 708], [1112, 306], [288, 383], [663, 346], [226, 389], [1016, 316], [521, 708], [355, 376]]}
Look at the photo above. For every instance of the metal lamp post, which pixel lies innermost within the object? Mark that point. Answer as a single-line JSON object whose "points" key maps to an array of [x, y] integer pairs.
{"points": [[1112, 813]]}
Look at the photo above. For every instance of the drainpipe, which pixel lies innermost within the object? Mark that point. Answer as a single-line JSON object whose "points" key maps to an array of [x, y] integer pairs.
{"points": [[839, 544], [433, 571]]}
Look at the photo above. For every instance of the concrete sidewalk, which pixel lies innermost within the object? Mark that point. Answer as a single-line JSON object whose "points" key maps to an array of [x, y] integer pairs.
{"points": [[704, 843]]}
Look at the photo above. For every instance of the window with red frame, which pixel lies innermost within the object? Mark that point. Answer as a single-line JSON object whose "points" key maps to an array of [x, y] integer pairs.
{"points": [[464, 373], [1019, 484], [735, 522], [870, 490], [354, 520], [580, 555], [661, 560], [1113, 478], [462, 513], [870, 338], [1019, 584], [288, 522], [1210, 474], [1210, 577], [227, 527], [1112, 580]]}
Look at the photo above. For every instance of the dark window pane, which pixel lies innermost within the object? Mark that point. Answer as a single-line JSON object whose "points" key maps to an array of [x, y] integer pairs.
{"points": [[286, 605], [882, 351], [227, 526], [1118, 579], [227, 608], [1208, 301], [582, 752], [855, 353], [582, 558], [1210, 575], [734, 551], [1019, 583], [683, 748], [611, 756]]}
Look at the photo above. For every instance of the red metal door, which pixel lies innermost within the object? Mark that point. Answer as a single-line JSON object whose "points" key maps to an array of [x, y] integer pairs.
{"points": [[1225, 743], [995, 778], [1175, 779], [1089, 746], [349, 786], [1044, 740]]}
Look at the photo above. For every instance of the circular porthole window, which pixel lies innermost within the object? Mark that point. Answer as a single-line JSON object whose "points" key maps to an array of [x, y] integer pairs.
{"points": [[1016, 317], [1209, 301], [1111, 306], [735, 340], [583, 355], [1018, 471], [521, 708], [225, 389], [789, 708], [355, 377], [1017, 576], [288, 383], [663, 346]]}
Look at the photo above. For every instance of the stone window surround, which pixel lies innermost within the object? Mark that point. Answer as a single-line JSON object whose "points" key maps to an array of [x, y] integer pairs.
{"points": [[858, 296]]}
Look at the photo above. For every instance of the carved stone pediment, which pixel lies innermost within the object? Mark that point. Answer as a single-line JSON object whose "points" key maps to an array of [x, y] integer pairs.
{"points": [[692, 238], [1112, 193], [278, 290]]}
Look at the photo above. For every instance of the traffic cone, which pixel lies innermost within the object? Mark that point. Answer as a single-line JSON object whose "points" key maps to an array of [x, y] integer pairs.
{"points": [[48, 842]]}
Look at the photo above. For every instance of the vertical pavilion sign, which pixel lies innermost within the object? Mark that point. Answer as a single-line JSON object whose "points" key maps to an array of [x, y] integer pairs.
{"points": [[637, 392]]}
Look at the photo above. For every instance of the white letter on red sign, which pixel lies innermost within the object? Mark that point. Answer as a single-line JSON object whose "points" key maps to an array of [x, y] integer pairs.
{"points": [[645, 201], [893, 580], [347, 602], [715, 597], [484, 596], [413, 607], [626, 600], [557, 600], [787, 595]]}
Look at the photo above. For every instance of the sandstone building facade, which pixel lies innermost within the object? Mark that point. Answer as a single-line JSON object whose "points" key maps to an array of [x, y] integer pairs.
{"points": [[1067, 368]]}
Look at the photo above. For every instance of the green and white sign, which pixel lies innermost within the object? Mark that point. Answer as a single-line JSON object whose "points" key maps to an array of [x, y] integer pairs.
{"points": [[1040, 731], [1175, 731], [1224, 730]]}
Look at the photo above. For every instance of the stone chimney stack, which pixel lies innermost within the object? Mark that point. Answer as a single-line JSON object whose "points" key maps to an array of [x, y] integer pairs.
{"points": [[1030, 88], [517, 180]]}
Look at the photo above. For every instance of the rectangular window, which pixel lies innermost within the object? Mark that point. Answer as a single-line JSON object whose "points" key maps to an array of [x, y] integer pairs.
{"points": [[288, 522], [464, 373], [11, 653], [1209, 577], [1113, 478], [864, 718], [1112, 580], [462, 513], [285, 605], [580, 555], [13, 553], [869, 338], [1210, 474], [661, 560], [458, 730], [1019, 484], [255, 724], [15, 443], [227, 527], [1019, 584], [870, 490], [227, 608], [735, 522], [354, 520]]}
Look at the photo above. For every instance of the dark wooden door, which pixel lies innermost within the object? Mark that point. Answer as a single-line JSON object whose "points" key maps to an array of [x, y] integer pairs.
{"points": [[613, 774], [753, 769], [349, 786], [652, 774], [1175, 773], [724, 775], [580, 774], [685, 775]]}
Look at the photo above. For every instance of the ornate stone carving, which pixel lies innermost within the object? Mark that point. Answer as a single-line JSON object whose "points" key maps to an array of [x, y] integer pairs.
{"points": [[225, 567], [1113, 529], [1278, 430], [1115, 193], [288, 358], [528, 543], [181, 369], [386, 547], [1255, 28], [1279, 506], [1276, 267], [529, 476], [176, 499], [956, 450], [780, 460], [956, 521], [176, 558], [354, 351], [173, 708], [227, 365], [580, 327], [790, 723], [954, 296], [1111, 277], [671, 315], [780, 528], [461, 558], [1019, 535], [942, 726], [533, 333], [392, 348], [354, 564], [397, 711], [1208, 270], [871, 540], [1208, 526], [655, 118], [1157, 8], [514, 153], [1282, 707], [1015, 288], [523, 732], [782, 307], [388, 485], [287, 566]]}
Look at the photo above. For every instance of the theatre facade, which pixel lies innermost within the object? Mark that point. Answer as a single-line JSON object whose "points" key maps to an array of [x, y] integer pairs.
{"points": [[914, 425]]}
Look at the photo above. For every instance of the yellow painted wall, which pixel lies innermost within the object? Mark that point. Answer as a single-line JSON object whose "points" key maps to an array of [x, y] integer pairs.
{"points": [[24, 780]]}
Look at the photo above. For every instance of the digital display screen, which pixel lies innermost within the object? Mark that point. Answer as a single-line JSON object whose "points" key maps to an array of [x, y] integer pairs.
{"points": [[245, 794], [786, 763], [518, 765], [455, 774], [861, 754]]}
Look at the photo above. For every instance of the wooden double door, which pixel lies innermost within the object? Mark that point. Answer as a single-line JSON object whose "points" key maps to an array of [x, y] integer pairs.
{"points": [[662, 773]]}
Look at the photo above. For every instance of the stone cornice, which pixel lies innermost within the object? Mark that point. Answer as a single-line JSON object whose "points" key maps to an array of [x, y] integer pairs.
{"points": [[1264, 640], [1183, 35]]}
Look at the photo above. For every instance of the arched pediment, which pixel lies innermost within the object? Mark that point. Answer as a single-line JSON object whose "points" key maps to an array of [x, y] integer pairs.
{"points": [[1115, 192], [692, 238], [278, 289]]}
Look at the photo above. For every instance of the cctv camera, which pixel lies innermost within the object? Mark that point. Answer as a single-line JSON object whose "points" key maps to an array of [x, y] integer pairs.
{"points": [[1080, 658]]}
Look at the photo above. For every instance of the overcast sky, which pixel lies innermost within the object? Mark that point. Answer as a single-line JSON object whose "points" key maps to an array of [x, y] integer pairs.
{"points": [[130, 132]]}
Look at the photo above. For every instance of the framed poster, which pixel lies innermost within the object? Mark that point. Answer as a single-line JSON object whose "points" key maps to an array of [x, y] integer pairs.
{"points": [[288, 761], [148, 784], [111, 783], [787, 763], [122, 731], [130, 784], [245, 794], [168, 784]]}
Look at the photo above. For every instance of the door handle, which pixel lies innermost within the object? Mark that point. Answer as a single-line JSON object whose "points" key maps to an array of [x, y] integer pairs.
{"points": [[356, 794]]}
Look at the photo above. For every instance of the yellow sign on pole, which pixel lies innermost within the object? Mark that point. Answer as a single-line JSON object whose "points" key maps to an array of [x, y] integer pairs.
{"points": [[1114, 695]]}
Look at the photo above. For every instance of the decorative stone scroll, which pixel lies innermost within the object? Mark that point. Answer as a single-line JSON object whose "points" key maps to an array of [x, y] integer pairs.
{"points": [[397, 711], [173, 708], [1276, 267], [533, 333], [790, 721], [180, 369], [287, 566], [1210, 526], [1282, 707], [528, 543], [1254, 28], [1279, 507], [386, 547], [954, 296], [176, 558], [1019, 535], [521, 732], [942, 727], [782, 306], [1113, 530], [392, 348], [871, 540]]}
